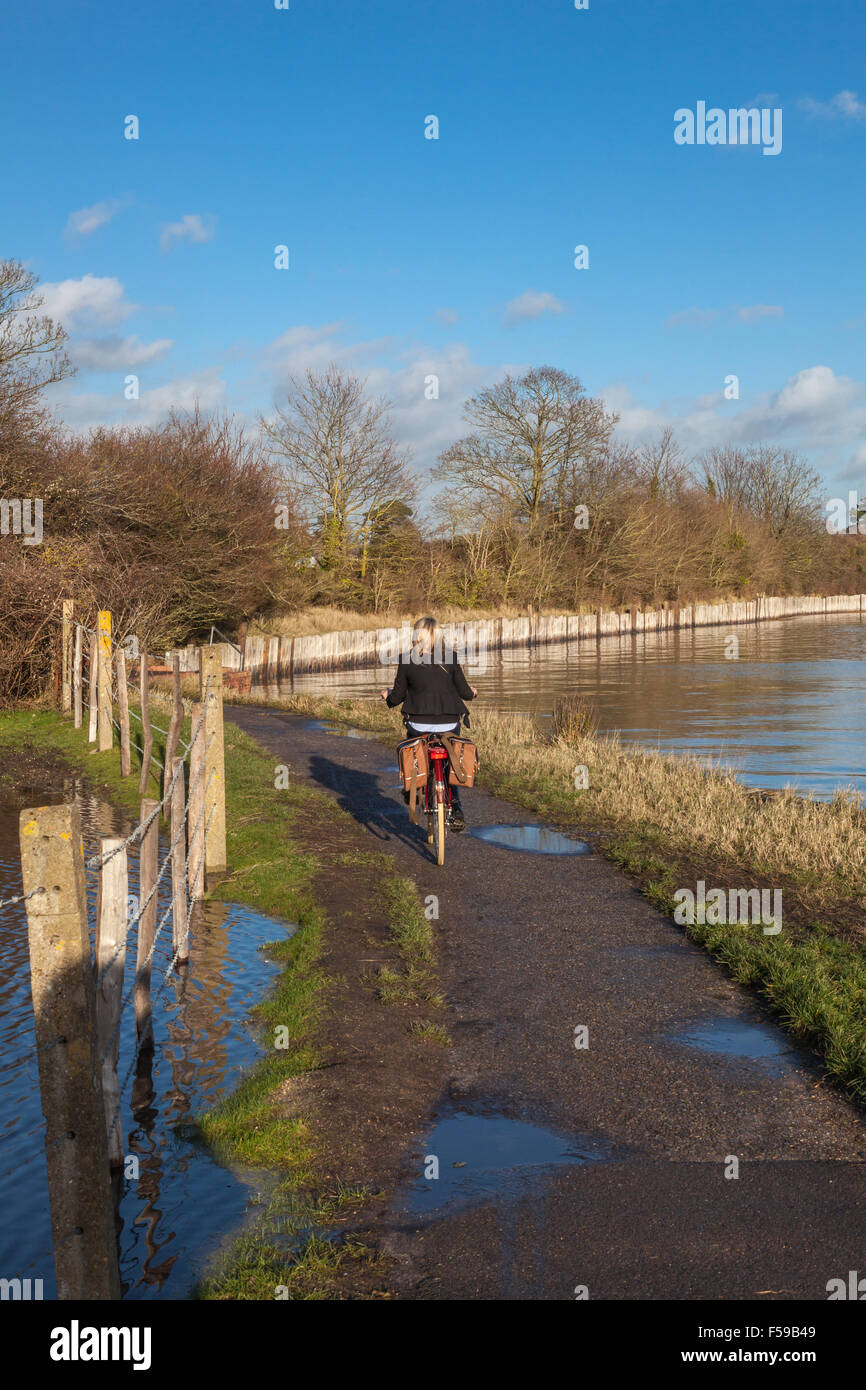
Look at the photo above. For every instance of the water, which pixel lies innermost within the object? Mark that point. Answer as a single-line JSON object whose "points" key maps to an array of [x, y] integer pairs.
{"points": [[183, 1203], [533, 839], [483, 1155], [790, 709], [734, 1037]]}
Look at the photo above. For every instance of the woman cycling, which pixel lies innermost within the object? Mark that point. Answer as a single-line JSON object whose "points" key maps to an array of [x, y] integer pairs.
{"points": [[432, 692]]}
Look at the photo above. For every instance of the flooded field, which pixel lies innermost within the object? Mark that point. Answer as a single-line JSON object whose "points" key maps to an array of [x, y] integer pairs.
{"points": [[175, 1213], [786, 704]]}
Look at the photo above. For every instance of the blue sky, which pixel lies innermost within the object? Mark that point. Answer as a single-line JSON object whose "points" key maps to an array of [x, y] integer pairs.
{"points": [[411, 256]]}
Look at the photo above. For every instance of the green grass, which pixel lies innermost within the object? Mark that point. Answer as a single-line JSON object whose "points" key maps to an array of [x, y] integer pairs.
{"points": [[292, 1244]]}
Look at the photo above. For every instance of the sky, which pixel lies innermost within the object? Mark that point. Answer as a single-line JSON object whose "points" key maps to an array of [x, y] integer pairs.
{"points": [[453, 257]]}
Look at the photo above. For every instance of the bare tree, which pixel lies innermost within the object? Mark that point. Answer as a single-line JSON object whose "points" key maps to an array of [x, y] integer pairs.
{"points": [[532, 433], [778, 486], [31, 344], [339, 456]]}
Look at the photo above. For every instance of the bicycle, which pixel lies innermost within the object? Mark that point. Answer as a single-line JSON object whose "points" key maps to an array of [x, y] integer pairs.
{"points": [[435, 799]]}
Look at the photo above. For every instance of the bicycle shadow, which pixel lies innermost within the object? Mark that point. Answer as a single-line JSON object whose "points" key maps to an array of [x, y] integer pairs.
{"points": [[360, 793]]}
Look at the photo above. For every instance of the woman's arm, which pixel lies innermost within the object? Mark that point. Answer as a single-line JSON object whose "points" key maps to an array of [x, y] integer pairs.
{"points": [[398, 692], [464, 689]]}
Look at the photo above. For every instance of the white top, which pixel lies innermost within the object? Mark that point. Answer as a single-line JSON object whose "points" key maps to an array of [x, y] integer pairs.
{"points": [[432, 728]]}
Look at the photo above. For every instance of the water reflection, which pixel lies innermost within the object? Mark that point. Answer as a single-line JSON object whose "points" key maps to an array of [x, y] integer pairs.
{"points": [[180, 1206], [790, 708]]}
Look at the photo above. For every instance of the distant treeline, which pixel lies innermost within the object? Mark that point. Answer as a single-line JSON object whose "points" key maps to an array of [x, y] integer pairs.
{"points": [[205, 519]]}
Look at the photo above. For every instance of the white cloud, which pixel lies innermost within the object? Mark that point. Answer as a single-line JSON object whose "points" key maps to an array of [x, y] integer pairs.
{"points": [[703, 318], [531, 305], [692, 318], [84, 410], [87, 220], [115, 353], [192, 228], [446, 316], [815, 411], [844, 104], [751, 313], [94, 299]]}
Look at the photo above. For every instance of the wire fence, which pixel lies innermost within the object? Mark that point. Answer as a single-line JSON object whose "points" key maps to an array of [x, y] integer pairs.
{"points": [[78, 1161]]}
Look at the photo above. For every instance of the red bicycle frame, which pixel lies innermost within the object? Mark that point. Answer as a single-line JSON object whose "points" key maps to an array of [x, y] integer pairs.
{"points": [[437, 789]]}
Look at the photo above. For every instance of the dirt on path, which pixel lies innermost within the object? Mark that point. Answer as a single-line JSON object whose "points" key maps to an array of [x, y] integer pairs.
{"points": [[689, 1151]]}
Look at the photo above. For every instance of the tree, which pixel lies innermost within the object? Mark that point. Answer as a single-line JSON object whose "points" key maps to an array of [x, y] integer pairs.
{"points": [[778, 486], [532, 435], [31, 344], [339, 457]]}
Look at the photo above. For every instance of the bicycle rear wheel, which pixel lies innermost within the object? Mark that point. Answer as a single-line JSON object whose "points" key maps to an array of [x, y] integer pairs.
{"points": [[439, 828]]}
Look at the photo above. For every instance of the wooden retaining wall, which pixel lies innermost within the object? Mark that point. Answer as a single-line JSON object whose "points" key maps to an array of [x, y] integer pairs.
{"points": [[269, 658]]}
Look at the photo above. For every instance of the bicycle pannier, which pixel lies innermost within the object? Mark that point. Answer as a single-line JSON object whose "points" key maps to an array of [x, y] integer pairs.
{"points": [[413, 765], [462, 760]]}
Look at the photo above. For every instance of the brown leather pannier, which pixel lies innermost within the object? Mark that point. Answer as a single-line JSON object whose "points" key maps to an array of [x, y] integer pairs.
{"points": [[413, 765], [462, 760]]}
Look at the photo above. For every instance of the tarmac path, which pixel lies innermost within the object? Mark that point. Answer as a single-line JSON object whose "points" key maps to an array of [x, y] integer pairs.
{"points": [[598, 1168]]}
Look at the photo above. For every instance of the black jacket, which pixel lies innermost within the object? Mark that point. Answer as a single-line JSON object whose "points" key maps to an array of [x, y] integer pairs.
{"points": [[431, 691]]}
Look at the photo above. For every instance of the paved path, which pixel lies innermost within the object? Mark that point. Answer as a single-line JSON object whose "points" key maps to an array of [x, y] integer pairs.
{"points": [[601, 1167]]}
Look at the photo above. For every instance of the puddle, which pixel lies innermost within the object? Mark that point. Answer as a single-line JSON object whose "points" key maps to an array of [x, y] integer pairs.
{"points": [[323, 726], [735, 1038], [480, 1156], [536, 839]]}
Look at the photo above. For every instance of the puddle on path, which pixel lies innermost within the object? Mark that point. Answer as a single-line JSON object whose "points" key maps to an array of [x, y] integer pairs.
{"points": [[324, 726], [480, 1156], [734, 1037], [535, 839]]}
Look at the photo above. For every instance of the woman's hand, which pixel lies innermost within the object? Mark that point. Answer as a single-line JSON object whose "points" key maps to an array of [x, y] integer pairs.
{"points": [[474, 691], [384, 694]]}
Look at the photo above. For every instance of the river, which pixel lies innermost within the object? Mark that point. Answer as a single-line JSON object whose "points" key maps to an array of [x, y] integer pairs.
{"points": [[786, 705]]}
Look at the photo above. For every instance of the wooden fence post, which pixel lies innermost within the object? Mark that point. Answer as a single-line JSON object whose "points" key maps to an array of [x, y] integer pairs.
{"points": [[147, 871], [197, 814], [61, 979], [178, 864], [93, 691], [147, 732], [123, 711], [66, 653], [76, 677], [211, 670], [111, 958], [106, 733], [174, 725]]}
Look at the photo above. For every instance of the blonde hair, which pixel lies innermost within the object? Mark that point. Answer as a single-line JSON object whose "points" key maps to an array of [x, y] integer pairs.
{"points": [[426, 634]]}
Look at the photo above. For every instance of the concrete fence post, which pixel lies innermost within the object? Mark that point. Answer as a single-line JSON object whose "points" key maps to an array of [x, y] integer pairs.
{"points": [[123, 713], [76, 676], [93, 689], [147, 871], [106, 732], [197, 814], [110, 962], [215, 793], [66, 654], [178, 863], [61, 980]]}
